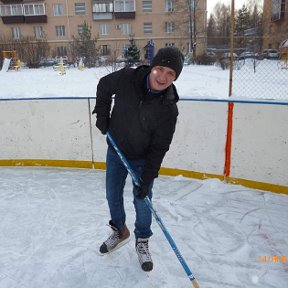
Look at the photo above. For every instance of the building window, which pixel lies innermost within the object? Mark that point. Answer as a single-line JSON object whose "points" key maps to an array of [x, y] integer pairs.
{"points": [[38, 31], [147, 27], [104, 50], [16, 32], [169, 27], [61, 51], [34, 9], [80, 29], [58, 9], [278, 10], [80, 9], [124, 6], [169, 5], [104, 29], [147, 6], [60, 31], [126, 29]]}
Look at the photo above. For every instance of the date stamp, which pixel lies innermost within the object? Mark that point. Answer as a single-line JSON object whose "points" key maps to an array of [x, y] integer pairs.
{"points": [[273, 259]]}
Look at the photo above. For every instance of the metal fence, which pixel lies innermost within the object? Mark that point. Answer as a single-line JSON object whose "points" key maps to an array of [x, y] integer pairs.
{"points": [[260, 67], [260, 78]]}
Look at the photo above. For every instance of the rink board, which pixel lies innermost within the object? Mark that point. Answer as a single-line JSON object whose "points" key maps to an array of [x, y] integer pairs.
{"points": [[61, 132]]}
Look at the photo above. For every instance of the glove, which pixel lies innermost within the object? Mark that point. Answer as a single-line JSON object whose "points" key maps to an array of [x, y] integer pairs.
{"points": [[102, 124], [143, 191]]}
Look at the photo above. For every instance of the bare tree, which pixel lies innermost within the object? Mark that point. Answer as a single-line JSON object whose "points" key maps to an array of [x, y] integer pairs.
{"points": [[212, 32], [191, 13], [33, 50], [29, 49]]}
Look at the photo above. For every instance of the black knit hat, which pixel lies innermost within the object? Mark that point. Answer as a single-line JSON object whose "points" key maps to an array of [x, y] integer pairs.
{"points": [[169, 57]]}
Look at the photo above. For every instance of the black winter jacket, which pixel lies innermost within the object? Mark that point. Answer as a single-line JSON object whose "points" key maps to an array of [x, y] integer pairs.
{"points": [[141, 123]]}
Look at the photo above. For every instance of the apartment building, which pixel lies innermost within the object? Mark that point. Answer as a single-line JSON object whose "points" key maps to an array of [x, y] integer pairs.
{"points": [[112, 22], [275, 23]]}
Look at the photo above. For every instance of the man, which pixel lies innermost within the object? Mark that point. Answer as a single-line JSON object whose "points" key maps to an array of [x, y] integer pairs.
{"points": [[142, 123]]}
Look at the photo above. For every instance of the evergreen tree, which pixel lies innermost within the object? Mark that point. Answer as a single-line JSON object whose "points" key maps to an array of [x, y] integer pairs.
{"points": [[242, 23], [242, 20], [84, 46], [133, 52]]}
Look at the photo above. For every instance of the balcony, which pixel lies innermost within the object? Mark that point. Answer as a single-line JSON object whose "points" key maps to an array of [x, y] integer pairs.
{"points": [[35, 13], [124, 15], [12, 13], [23, 13], [9, 1], [121, 9], [124, 9], [102, 10]]}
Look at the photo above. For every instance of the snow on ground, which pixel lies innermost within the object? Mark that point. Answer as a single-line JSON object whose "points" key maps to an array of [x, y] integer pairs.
{"points": [[195, 81], [53, 221]]}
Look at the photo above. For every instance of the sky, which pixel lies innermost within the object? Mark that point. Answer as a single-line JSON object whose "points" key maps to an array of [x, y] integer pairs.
{"points": [[52, 221], [212, 3]]}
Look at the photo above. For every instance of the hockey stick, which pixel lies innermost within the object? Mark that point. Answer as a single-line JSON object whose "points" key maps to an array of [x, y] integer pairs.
{"points": [[136, 181]]}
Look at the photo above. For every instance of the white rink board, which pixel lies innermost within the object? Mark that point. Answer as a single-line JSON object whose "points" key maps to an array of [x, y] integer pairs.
{"points": [[61, 129], [45, 129], [260, 143], [200, 137]]}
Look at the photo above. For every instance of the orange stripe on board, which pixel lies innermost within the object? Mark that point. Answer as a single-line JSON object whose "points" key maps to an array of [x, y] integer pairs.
{"points": [[228, 147]]}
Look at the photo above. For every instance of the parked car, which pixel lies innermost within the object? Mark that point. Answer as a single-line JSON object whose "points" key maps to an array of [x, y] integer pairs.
{"points": [[47, 62], [187, 60], [212, 55], [208, 58], [270, 53], [247, 54], [227, 56]]}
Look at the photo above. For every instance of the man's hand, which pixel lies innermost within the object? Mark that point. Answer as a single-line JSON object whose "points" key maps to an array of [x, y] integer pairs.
{"points": [[143, 191], [102, 124]]}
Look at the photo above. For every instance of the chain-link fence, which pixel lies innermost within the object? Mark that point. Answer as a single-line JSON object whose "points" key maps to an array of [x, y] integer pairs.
{"points": [[260, 68], [257, 35], [260, 78]]}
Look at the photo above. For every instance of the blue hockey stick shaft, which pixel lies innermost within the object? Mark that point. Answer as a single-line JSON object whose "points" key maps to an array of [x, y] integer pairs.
{"points": [[172, 243]]}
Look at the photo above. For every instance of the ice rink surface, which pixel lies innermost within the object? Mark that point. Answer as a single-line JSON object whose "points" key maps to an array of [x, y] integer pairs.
{"points": [[53, 220]]}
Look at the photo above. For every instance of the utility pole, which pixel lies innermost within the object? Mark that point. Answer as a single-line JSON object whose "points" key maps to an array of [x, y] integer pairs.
{"points": [[231, 46]]}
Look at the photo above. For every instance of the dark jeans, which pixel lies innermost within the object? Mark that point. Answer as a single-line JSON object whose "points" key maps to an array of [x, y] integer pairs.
{"points": [[116, 175]]}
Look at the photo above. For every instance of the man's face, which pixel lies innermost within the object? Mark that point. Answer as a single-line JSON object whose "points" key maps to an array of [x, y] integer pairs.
{"points": [[161, 77]]}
